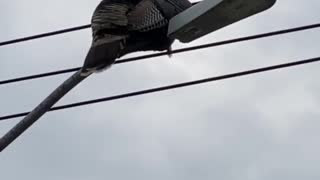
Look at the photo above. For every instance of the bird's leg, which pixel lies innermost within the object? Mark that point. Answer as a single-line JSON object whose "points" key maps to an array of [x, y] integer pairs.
{"points": [[169, 51]]}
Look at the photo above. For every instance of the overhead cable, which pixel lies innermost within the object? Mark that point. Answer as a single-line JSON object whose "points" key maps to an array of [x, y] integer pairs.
{"points": [[48, 34], [220, 43], [170, 87]]}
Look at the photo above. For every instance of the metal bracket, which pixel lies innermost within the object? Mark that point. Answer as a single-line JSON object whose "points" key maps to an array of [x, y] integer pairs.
{"points": [[210, 15]]}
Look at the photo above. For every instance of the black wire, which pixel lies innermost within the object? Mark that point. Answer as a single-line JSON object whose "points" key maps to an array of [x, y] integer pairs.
{"points": [[44, 35], [247, 38], [164, 88]]}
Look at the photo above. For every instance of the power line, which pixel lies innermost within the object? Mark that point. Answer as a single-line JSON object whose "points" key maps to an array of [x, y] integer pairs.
{"points": [[164, 88], [38, 36], [220, 43]]}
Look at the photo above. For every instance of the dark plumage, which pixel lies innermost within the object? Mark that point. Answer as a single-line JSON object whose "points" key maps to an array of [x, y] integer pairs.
{"points": [[120, 27]]}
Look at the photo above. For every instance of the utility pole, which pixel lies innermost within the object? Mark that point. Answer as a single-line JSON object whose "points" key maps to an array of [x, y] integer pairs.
{"points": [[40, 110]]}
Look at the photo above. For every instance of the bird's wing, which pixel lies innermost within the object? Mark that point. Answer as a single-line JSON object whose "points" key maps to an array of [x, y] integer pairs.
{"points": [[152, 14], [170, 8], [146, 16], [109, 16]]}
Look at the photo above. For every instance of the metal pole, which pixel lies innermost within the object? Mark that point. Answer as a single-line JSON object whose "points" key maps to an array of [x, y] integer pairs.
{"points": [[40, 110]]}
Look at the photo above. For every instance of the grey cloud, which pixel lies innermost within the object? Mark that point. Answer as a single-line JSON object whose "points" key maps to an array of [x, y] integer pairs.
{"points": [[258, 127]]}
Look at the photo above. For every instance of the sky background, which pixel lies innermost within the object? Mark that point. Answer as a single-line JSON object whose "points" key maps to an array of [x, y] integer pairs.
{"points": [[265, 126]]}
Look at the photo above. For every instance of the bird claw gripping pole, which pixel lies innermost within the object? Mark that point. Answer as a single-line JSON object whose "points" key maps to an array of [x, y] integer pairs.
{"points": [[41, 109]]}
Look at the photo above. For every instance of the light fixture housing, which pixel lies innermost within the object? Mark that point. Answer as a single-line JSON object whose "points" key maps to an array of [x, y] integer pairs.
{"points": [[210, 15]]}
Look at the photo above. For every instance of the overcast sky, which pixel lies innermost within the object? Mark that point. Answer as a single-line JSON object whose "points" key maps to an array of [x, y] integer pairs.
{"points": [[264, 126]]}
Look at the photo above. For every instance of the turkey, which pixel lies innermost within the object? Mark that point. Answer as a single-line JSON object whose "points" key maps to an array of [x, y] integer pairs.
{"points": [[120, 27]]}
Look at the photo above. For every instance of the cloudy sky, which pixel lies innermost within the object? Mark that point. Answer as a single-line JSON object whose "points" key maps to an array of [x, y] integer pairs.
{"points": [[263, 126]]}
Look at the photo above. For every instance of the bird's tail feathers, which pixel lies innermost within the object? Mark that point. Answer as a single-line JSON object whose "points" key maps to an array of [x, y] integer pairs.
{"points": [[102, 54]]}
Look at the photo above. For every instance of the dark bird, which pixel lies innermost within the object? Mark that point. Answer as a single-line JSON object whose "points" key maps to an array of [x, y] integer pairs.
{"points": [[120, 27]]}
